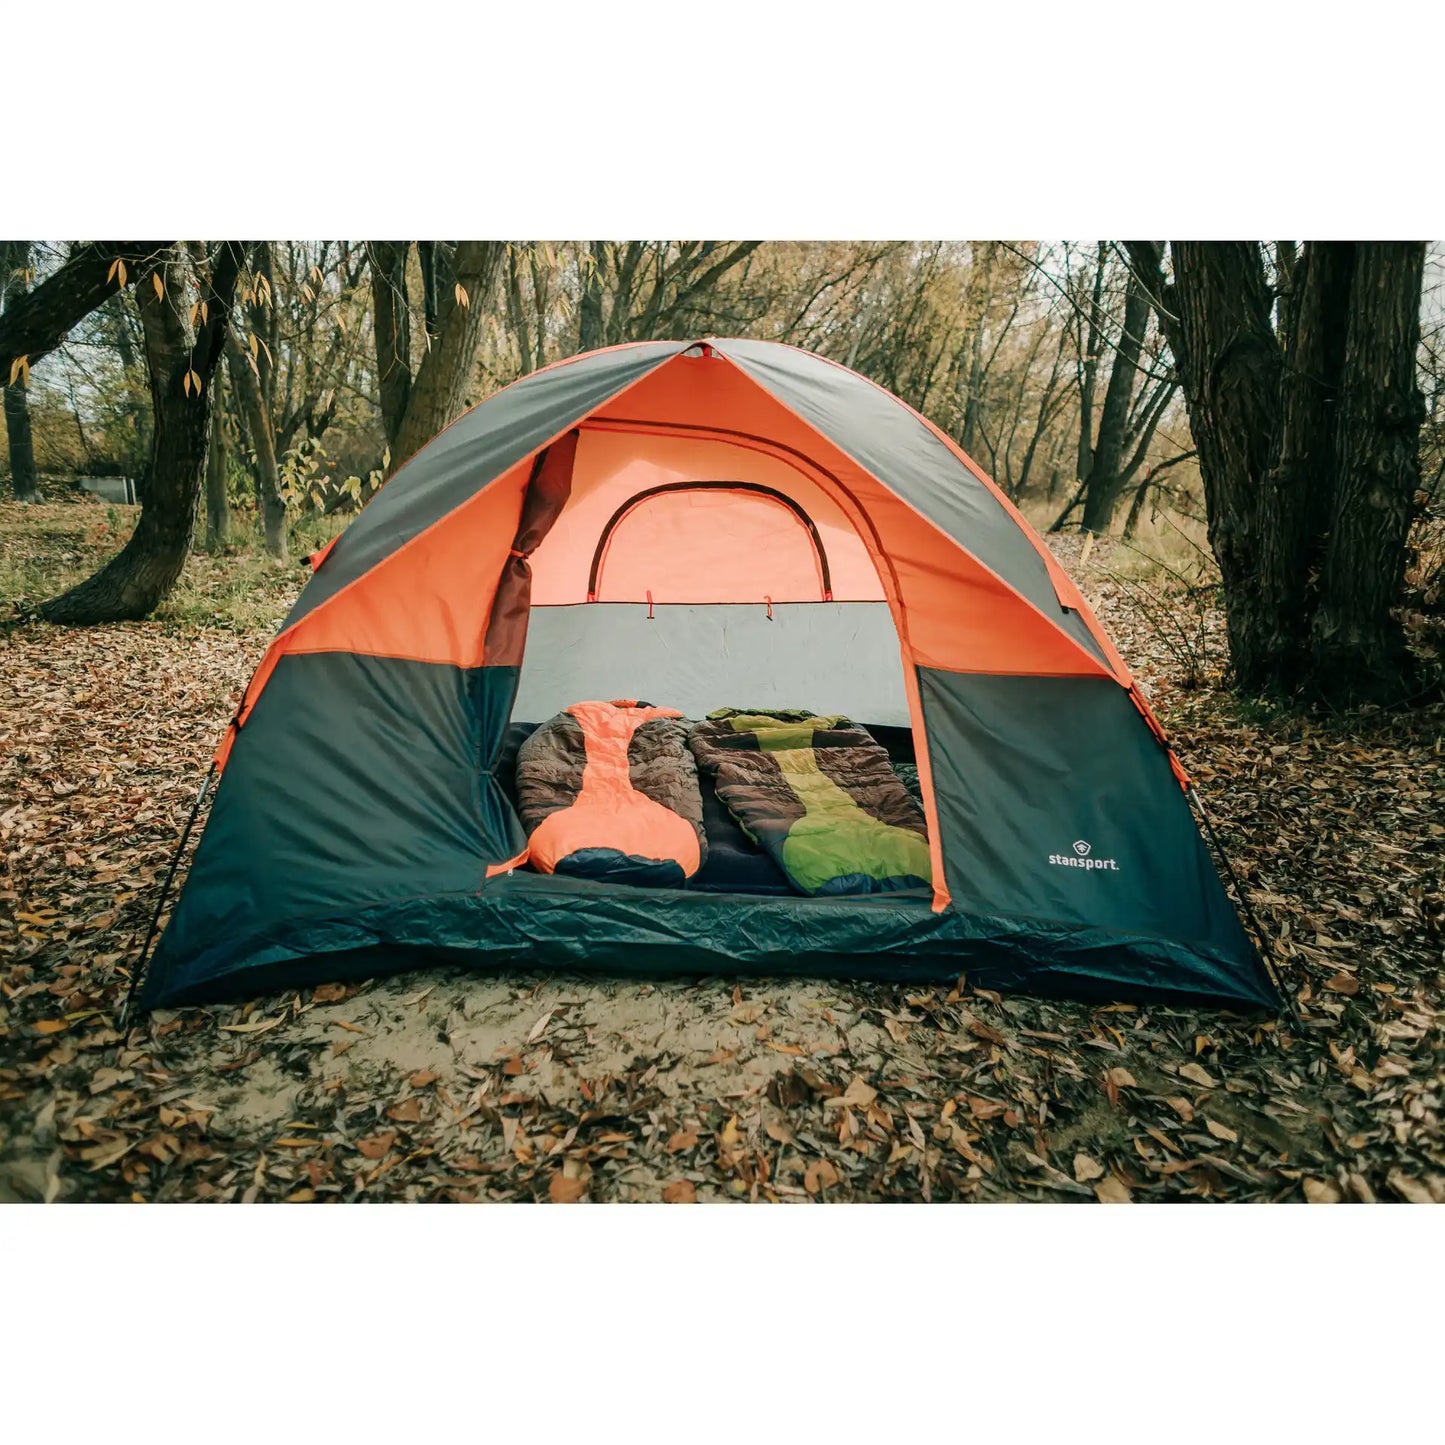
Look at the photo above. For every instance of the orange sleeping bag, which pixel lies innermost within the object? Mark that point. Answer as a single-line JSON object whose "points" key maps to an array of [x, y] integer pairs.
{"points": [[609, 791]]}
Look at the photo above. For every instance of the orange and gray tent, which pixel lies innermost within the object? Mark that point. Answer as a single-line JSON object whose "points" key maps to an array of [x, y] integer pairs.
{"points": [[722, 524]]}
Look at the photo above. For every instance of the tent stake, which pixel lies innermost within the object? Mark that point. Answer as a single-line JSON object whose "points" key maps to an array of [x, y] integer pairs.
{"points": [[139, 972], [1261, 937]]}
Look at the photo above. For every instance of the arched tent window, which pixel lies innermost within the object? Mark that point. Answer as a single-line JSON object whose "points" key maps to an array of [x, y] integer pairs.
{"points": [[725, 541]]}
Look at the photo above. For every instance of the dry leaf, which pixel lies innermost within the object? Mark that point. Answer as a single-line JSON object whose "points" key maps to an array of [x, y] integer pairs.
{"points": [[1221, 1131], [257, 1026], [563, 1190], [407, 1111], [422, 1078], [819, 1175], [376, 1145], [1121, 1078], [1197, 1074], [1086, 1168], [859, 1095], [1112, 1191], [1412, 1191], [683, 1192], [1345, 983], [683, 1139], [1321, 1191]]}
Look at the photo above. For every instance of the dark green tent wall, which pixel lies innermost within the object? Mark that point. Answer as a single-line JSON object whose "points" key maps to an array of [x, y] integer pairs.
{"points": [[357, 819]]}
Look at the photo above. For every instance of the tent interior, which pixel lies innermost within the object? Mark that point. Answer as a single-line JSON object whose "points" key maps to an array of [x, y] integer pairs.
{"points": [[697, 571]]}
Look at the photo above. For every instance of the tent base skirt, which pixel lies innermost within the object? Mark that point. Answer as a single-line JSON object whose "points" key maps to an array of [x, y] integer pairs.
{"points": [[526, 921]]}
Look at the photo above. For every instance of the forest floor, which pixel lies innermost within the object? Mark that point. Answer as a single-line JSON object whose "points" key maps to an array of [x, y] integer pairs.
{"points": [[447, 1085]]}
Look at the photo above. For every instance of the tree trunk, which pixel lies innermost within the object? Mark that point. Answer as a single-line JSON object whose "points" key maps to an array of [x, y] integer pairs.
{"points": [[1216, 317], [14, 283], [1296, 501], [1088, 370], [218, 507], [1358, 645], [589, 311], [1310, 459], [247, 387], [138, 578], [1106, 472], [437, 395], [38, 322], [391, 322], [517, 313]]}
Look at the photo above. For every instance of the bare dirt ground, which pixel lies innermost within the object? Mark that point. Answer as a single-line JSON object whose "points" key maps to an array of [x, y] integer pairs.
{"points": [[443, 1085]]}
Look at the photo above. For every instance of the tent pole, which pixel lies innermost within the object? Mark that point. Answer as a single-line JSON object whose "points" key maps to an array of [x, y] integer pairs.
{"points": [[1261, 937], [138, 973]]}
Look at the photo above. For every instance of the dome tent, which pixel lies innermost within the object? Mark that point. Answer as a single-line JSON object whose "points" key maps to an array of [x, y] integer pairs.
{"points": [[700, 524]]}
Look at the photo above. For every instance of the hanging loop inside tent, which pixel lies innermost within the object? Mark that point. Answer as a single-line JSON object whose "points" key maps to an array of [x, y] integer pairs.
{"points": [[649, 606], [769, 602]]}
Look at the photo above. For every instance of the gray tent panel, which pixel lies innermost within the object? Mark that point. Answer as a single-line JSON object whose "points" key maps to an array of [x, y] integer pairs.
{"points": [[475, 450], [830, 656], [882, 435]]}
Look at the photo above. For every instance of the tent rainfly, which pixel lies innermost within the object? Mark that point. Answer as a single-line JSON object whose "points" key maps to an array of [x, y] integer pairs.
{"points": [[700, 524]]}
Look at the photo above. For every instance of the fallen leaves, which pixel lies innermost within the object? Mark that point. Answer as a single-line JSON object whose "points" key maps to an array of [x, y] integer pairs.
{"points": [[563, 1190], [799, 1091], [683, 1191], [1412, 1191], [820, 1175]]}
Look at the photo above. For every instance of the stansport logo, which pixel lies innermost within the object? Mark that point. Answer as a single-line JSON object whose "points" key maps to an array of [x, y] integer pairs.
{"points": [[1082, 858]]}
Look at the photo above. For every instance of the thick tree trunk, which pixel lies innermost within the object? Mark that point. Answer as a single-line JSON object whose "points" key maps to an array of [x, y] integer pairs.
{"points": [[136, 580], [218, 506], [1107, 477], [1216, 317], [247, 387], [1358, 645], [1310, 458], [1296, 501], [438, 393], [14, 283]]}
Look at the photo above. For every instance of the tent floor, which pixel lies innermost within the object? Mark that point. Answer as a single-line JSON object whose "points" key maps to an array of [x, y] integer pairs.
{"points": [[525, 920]]}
